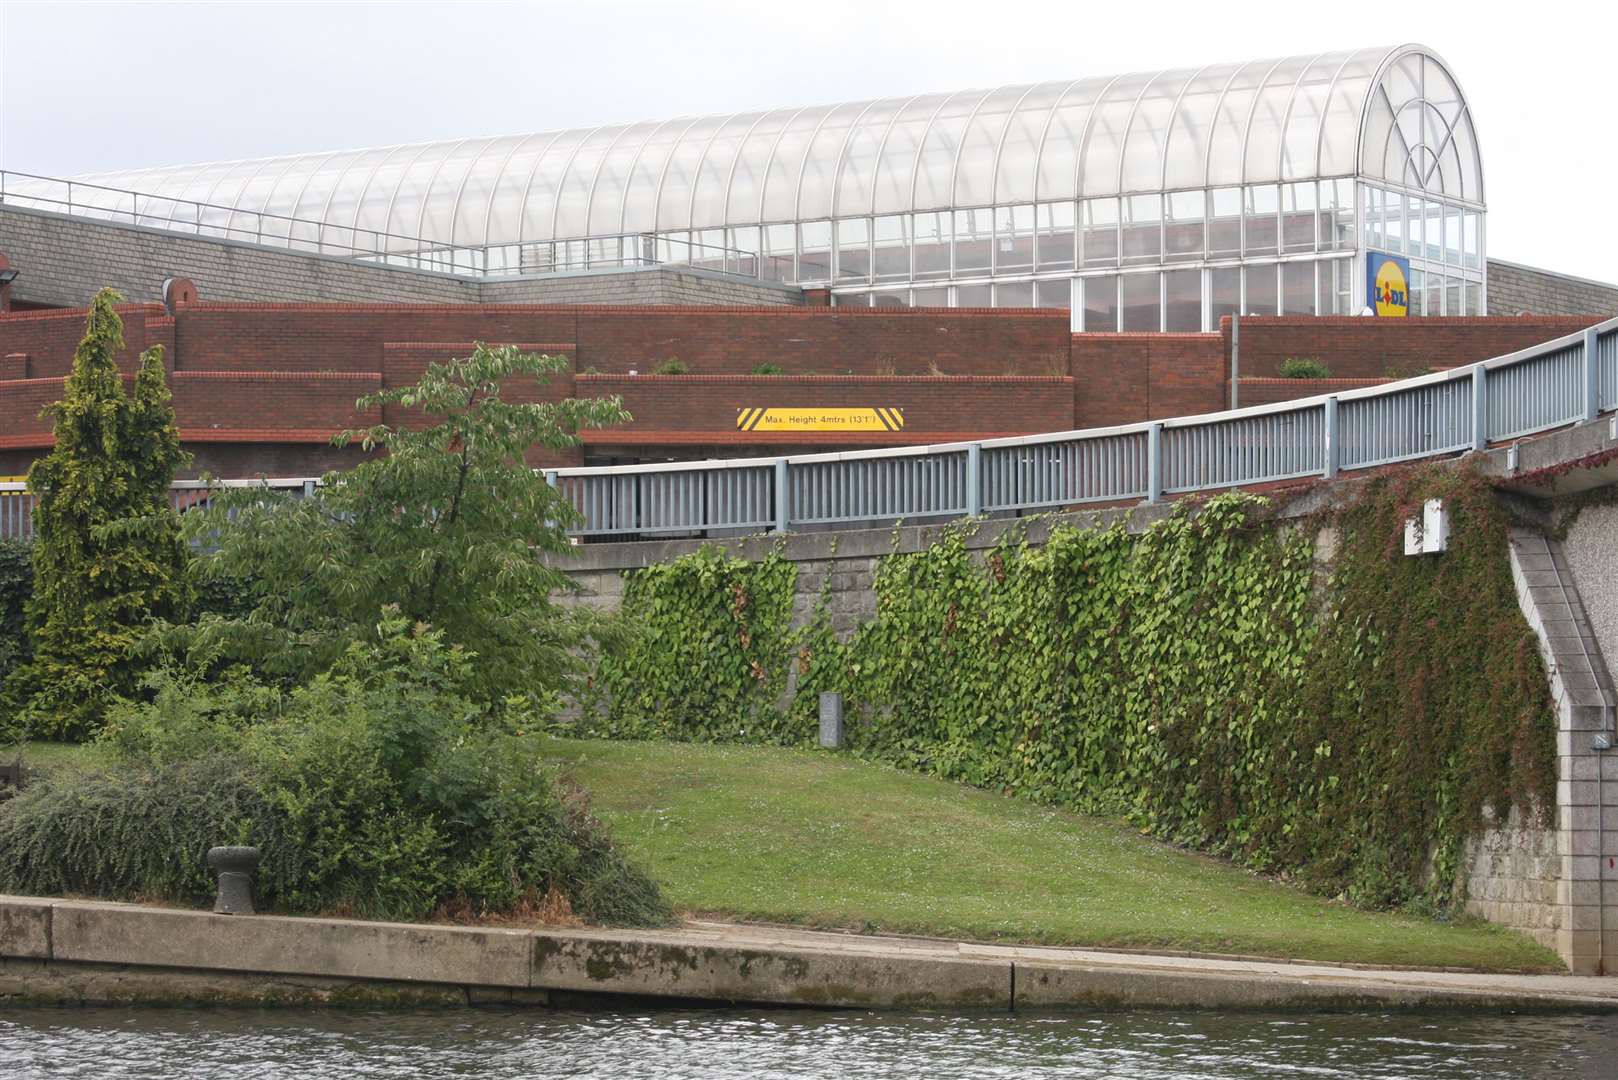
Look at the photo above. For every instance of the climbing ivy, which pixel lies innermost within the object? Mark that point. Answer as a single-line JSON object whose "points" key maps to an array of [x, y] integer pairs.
{"points": [[1207, 679]]}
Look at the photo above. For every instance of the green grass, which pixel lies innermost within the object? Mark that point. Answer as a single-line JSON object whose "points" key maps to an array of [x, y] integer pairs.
{"points": [[47, 756], [823, 840]]}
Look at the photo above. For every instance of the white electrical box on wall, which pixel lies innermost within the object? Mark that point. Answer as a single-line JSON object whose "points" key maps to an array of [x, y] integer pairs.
{"points": [[1429, 533]]}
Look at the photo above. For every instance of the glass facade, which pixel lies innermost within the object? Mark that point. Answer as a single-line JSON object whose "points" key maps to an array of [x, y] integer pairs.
{"points": [[1151, 201]]}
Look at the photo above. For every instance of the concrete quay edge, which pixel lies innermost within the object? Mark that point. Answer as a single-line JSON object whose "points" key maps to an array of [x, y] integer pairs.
{"points": [[47, 942]]}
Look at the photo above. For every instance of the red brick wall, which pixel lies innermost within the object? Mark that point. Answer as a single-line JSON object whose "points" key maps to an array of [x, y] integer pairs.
{"points": [[284, 375], [702, 409], [1370, 348], [1122, 378], [1269, 391]]}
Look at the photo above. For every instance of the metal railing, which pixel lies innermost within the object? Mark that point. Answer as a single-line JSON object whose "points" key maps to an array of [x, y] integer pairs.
{"points": [[17, 502], [615, 251], [1566, 381]]}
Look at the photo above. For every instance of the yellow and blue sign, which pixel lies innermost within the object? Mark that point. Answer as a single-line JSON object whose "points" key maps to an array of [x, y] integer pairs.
{"points": [[1387, 284]]}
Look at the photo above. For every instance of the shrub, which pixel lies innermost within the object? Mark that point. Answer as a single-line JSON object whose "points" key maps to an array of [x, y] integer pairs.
{"points": [[768, 368], [371, 791], [449, 526], [16, 586], [1301, 368], [671, 366], [107, 557]]}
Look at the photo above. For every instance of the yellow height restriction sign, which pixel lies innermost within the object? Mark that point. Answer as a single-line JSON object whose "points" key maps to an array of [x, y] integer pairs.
{"points": [[768, 419]]}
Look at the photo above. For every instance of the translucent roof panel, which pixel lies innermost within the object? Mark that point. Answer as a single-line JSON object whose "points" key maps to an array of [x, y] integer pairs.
{"points": [[1393, 115]]}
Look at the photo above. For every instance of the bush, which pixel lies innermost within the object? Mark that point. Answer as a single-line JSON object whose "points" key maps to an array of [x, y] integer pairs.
{"points": [[1298, 368], [372, 791], [671, 366], [16, 586], [768, 368]]}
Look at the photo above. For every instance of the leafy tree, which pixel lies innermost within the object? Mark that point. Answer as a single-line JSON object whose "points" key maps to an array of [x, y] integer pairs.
{"points": [[449, 525], [108, 558]]}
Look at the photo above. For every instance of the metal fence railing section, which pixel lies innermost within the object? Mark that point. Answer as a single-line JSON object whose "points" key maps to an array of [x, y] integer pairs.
{"points": [[1570, 380]]}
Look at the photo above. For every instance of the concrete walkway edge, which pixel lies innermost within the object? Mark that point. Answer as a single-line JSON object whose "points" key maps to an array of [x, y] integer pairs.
{"points": [[44, 939]]}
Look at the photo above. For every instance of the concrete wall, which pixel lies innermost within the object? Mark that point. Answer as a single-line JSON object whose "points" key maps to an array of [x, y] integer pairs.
{"points": [[1514, 289], [1591, 549], [63, 260]]}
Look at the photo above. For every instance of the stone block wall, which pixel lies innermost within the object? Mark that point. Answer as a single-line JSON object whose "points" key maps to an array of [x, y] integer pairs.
{"points": [[1514, 289], [1558, 881], [63, 261]]}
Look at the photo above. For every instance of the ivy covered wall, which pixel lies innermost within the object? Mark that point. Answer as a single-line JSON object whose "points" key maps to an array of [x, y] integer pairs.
{"points": [[1295, 694]]}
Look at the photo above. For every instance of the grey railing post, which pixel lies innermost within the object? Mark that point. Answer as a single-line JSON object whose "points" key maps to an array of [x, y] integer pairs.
{"points": [[780, 495], [974, 480], [1480, 407], [1334, 450], [1154, 463], [1592, 374]]}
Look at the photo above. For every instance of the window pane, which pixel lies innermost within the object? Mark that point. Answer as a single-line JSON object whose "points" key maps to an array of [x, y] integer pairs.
{"points": [[1225, 223], [1224, 293], [1435, 294], [973, 296], [854, 300], [1337, 214], [1471, 241], [891, 257], [1434, 247], [896, 298], [1100, 235], [1263, 204], [1182, 301], [974, 237], [1054, 294], [780, 250], [1143, 228], [1414, 230], [1452, 236], [1182, 229], [1474, 298], [1393, 221], [1298, 217], [1373, 217], [1418, 292], [1056, 236], [1452, 296], [854, 250], [932, 245], [743, 256], [1014, 238], [937, 297], [1298, 288], [1140, 302], [1334, 293], [814, 251], [1014, 294], [1260, 282], [1101, 303]]}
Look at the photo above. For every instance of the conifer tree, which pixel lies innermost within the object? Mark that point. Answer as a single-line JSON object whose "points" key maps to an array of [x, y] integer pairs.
{"points": [[108, 557]]}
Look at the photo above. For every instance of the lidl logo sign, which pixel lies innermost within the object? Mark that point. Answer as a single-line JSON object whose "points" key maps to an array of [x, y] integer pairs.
{"points": [[1387, 280]]}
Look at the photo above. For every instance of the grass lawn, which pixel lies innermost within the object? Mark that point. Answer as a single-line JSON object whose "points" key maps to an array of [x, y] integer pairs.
{"points": [[823, 840]]}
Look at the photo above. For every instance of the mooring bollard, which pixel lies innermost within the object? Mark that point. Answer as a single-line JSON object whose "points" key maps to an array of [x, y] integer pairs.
{"points": [[831, 720], [235, 866]]}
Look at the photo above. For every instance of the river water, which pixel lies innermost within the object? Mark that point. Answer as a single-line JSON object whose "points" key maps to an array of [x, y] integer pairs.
{"points": [[320, 1044]]}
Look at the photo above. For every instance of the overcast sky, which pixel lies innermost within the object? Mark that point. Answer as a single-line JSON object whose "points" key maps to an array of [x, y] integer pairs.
{"points": [[89, 86]]}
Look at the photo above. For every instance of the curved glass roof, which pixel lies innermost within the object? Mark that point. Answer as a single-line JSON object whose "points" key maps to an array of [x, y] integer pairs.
{"points": [[1389, 114]]}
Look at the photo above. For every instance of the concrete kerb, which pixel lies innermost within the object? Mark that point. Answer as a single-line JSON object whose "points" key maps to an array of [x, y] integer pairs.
{"points": [[91, 950]]}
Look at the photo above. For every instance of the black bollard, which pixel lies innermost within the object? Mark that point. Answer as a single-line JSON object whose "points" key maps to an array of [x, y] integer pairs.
{"points": [[235, 866]]}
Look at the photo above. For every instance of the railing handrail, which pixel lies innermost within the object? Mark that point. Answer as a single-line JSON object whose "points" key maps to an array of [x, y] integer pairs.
{"points": [[461, 259]]}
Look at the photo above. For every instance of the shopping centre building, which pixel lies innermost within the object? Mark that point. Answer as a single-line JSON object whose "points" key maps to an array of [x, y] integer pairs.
{"points": [[985, 262]]}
